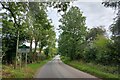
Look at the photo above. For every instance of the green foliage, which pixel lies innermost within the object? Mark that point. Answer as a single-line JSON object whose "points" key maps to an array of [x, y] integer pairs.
{"points": [[115, 27], [73, 33], [29, 72], [32, 23], [91, 46], [92, 33], [42, 28], [110, 3], [89, 54], [59, 5], [100, 50], [46, 51], [102, 55], [13, 21], [104, 72]]}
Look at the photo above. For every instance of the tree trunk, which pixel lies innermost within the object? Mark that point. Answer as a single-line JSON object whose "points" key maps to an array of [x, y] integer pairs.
{"points": [[31, 54], [17, 48], [31, 45], [40, 49], [36, 42]]}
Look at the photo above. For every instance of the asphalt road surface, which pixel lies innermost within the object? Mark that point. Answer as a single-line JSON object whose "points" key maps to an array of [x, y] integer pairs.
{"points": [[57, 69]]}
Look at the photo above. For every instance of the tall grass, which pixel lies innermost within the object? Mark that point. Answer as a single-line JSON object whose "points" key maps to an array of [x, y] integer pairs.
{"points": [[24, 72], [101, 71]]}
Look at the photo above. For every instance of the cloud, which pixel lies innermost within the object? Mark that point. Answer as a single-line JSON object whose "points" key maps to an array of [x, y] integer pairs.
{"points": [[96, 14], [52, 14]]}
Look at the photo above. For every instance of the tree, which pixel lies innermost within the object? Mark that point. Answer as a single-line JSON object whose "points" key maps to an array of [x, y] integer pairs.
{"points": [[26, 21], [73, 32], [90, 49], [92, 33], [17, 16], [61, 6], [41, 26], [102, 51], [115, 27]]}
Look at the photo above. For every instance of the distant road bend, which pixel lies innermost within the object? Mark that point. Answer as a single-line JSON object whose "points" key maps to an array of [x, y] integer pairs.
{"points": [[57, 69]]}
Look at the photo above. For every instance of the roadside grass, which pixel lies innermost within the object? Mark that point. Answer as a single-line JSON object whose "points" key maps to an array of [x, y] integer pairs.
{"points": [[100, 71], [29, 72]]}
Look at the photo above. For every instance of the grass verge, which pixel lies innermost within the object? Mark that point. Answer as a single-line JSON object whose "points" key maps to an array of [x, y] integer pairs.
{"points": [[29, 72], [93, 69]]}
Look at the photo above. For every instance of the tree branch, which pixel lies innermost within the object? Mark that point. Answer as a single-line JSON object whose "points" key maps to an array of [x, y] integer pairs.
{"points": [[7, 8]]}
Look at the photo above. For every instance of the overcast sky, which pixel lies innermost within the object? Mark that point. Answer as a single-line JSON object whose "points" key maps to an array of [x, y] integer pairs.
{"points": [[96, 14]]}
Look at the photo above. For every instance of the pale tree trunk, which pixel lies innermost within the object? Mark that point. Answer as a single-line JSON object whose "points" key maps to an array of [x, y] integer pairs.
{"points": [[17, 49], [36, 43], [31, 54], [31, 45], [1, 57], [40, 49]]}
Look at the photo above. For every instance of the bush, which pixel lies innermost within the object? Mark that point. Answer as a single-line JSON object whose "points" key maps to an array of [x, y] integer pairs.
{"points": [[90, 54]]}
